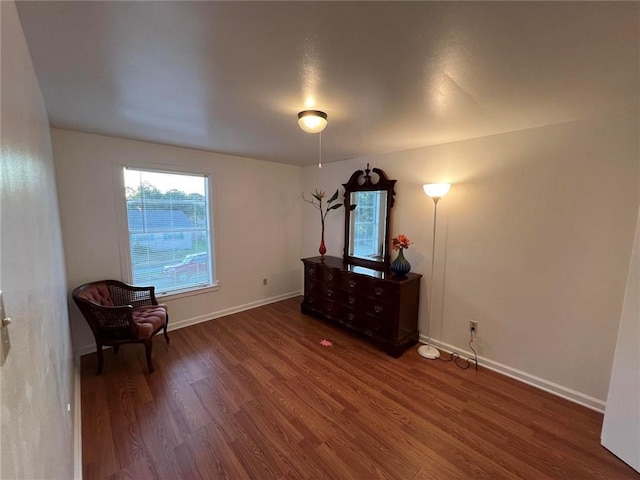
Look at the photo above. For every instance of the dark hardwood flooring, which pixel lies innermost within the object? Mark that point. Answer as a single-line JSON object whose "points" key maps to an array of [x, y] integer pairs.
{"points": [[255, 396]]}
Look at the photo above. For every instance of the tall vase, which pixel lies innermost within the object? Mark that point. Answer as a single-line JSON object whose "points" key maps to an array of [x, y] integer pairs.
{"points": [[400, 266], [323, 248]]}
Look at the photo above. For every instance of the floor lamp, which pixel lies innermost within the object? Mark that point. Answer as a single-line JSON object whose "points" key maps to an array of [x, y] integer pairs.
{"points": [[436, 191]]}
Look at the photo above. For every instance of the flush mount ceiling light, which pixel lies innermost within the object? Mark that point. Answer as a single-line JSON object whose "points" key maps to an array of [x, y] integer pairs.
{"points": [[312, 121]]}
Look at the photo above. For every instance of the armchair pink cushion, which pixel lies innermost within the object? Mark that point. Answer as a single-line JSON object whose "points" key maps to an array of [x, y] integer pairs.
{"points": [[149, 318], [98, 293]]}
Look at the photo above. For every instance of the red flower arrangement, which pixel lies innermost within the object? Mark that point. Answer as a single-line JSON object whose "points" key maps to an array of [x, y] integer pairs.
{"points": [[401, 242]]}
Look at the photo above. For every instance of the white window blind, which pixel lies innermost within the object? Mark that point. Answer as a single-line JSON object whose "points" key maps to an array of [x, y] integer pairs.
{"points": [[169, 230]]}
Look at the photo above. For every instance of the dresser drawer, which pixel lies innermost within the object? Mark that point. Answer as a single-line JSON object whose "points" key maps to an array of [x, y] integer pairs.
{"points": [[314, 301], [333, 310], [331, 276], [311, 285], [354, 319], [313, 272], [355, 283], [352, 299], [371, 287], [332, 292], [384, 291], [379, 310], [379, 328], [325, 306]]}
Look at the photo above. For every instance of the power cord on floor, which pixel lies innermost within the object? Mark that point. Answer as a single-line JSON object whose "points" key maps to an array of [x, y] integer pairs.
{"points": [[475, 354], [455, 357]]}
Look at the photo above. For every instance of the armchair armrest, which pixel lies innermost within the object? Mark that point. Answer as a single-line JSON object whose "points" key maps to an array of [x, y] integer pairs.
{"points": [[104, 319]]}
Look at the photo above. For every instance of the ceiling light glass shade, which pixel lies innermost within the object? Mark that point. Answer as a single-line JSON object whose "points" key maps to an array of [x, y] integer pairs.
{"points": [[436, 190], [312, 121]]}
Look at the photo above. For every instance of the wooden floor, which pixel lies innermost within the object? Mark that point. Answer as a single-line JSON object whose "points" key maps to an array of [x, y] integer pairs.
{"points": [[255, 396]]}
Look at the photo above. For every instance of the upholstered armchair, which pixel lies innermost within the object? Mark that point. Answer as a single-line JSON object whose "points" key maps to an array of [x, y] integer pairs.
{"points": [[120, 313]]}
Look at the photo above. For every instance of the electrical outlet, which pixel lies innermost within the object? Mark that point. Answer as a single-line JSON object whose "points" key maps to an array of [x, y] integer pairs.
{"points": [[473, 327], [5, 344], [264, 281]]}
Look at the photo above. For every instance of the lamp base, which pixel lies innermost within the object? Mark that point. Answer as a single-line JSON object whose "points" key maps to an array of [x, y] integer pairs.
{"points": [[429, 351]]}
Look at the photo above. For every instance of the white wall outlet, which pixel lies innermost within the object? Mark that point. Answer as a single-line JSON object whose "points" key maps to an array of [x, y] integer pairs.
{"points": [[473, 327], [264, 281], [5, 344]]}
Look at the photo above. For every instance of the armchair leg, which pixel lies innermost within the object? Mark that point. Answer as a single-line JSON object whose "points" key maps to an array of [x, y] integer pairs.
{"points": [[100, 358], [166, 337], [147, 349]]}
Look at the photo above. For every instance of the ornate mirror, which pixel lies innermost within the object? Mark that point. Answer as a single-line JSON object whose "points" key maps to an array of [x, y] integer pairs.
{"points": [[368, 198]]}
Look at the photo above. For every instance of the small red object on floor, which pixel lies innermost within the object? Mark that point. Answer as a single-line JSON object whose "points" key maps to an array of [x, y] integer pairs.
{"points": [[326, 343]]}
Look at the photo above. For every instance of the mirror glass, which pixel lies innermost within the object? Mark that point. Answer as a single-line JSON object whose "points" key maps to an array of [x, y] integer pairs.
{"points": [[368, 199], [366, 271], [368, 225]]}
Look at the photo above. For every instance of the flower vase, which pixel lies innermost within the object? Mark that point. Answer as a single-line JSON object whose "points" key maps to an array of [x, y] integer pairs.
{"points": [[323, 248], [400, 266]]}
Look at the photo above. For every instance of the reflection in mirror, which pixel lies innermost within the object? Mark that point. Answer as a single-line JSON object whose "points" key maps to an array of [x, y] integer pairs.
{"points": [[368, 198], [366, 271], [368, 223]]}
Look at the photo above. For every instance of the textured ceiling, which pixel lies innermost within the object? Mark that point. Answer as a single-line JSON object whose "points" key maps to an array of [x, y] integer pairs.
{"points": [[230, 77]]}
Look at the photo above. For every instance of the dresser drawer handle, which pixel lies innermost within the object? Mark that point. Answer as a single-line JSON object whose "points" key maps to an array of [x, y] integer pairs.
{"points": [[331, 276], [329, 292], [311, 300], [329, 308], [352, 300], [378, 308], [351, 316], [352, 283], [312, 271], [379, 290]]}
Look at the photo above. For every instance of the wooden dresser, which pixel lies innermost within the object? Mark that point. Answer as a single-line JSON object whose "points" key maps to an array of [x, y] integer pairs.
{"points": [[376, 304]]}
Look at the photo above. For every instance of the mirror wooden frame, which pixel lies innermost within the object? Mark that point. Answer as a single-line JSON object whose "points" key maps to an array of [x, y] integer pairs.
{"points": [[361, 181]]}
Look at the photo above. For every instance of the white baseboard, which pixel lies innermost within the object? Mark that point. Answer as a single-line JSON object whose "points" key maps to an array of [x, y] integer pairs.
{"points": [[564, 392], [90, 348], [77, 421]]}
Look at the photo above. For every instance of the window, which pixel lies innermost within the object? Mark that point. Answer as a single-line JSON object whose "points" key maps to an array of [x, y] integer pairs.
{"points": [[169, 230]]}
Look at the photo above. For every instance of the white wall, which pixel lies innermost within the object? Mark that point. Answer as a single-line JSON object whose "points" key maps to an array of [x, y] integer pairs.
{"points": [[36, 381], [257, 217], [534, 241], [621, 428]]}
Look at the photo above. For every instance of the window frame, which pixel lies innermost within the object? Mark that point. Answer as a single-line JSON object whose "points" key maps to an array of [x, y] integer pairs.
{"points": [[124, 235]]}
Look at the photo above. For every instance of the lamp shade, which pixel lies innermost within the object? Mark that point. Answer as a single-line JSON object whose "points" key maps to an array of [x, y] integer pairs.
{"points": [[312, 121], [436, 190]]}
